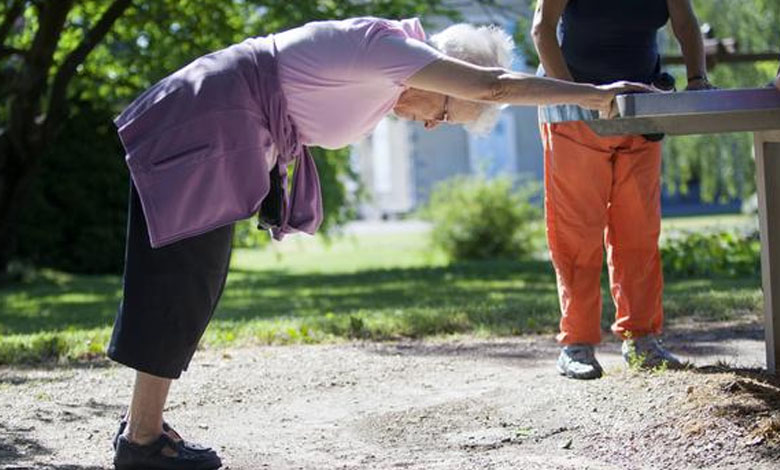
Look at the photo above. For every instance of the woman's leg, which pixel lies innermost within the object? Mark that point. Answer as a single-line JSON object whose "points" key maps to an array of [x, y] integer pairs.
{"points": [[170, 294], [145, 415]]}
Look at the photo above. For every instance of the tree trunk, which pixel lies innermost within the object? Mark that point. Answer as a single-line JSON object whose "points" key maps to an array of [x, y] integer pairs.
{"points": [[14, 178]]}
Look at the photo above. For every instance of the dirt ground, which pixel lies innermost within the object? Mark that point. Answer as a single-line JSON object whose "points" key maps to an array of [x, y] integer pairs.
{"points": [[468, 403]]}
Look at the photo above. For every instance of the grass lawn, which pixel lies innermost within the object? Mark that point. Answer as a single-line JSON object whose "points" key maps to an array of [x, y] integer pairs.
{"points": [[374, 286], [672, 225]]}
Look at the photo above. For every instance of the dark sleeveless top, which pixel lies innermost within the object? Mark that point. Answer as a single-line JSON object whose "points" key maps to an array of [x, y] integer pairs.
{"points": [[608, 40]]}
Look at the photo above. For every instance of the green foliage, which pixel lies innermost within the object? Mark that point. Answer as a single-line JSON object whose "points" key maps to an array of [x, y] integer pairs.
{"points": [[524, 41], [53, 346], [34, 348], [76, 218], [335, 175], [475, 218], [155, 38], [723, 163], [718, 254], [247, 235]]}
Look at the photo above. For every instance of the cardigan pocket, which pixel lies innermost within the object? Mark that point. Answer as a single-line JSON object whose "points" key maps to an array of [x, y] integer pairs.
{"points": [[168, 161], [196, 138]]}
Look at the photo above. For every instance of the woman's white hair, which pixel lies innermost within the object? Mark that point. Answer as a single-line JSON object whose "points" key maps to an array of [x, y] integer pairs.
{"points": [[487, 46]]}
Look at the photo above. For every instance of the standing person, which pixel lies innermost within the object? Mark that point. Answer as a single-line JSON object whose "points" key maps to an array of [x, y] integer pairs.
{"points": [[209, 145], [606, 190]]}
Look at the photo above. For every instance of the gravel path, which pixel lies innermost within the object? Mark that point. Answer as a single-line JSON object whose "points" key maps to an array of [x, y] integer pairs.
{"points": [[458, 404]]}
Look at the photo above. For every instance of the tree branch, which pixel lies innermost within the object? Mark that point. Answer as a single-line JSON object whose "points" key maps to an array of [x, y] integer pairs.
{"points": [[30, 82], [13, 12], [9, 51], [67, 70]]}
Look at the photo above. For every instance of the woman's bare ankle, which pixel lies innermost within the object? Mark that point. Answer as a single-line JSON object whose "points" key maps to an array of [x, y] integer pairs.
{"points": [[142, 435]]}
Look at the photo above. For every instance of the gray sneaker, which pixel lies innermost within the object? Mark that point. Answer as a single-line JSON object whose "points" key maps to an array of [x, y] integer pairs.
{"points": [[648, 352], [577, 361]]}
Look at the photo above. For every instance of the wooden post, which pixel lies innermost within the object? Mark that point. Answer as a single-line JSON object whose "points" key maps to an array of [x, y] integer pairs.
{"points": [[767, 152]]}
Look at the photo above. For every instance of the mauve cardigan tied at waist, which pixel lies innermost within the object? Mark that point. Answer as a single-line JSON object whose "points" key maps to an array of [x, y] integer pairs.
{"points": [[196, 143]]}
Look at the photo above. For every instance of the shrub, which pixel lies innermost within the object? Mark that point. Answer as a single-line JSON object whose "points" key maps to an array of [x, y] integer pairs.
{"points": [[76, 214], [247, 235], [724, 254], [474, 218]]}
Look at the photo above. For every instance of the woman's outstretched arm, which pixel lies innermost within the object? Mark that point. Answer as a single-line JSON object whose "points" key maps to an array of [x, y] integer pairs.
{"points": [[496, 85]]}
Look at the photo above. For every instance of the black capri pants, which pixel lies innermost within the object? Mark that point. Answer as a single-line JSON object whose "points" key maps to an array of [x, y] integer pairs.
{"points": [[170, 294]]}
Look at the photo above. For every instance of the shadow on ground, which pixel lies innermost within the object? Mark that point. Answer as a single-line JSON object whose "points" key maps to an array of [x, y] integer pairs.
{"points": [[491, 349], [16, 446], [700, 340]]}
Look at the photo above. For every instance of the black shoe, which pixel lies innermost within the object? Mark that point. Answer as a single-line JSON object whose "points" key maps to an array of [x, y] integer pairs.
{"points": [[162, 454], [171, 433]]}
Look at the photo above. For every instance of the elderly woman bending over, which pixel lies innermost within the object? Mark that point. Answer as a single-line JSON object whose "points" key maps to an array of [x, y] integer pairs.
{"points": [[210, 144]]}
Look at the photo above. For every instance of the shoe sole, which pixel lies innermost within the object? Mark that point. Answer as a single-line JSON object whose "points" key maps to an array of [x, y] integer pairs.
{"points": [[571, 375], [205, 466], [144, 467]]}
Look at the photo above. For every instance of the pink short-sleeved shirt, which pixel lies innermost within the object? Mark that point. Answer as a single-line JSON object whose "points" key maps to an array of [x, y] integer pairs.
{"points": [[341, 78]]}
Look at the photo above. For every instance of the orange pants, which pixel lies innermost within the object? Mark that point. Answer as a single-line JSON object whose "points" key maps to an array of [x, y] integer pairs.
{"points": [[603, 187]]}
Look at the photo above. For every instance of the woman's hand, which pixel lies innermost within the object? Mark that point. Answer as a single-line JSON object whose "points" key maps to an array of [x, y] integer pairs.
{"points": [[777, 81], [605, 99]]}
